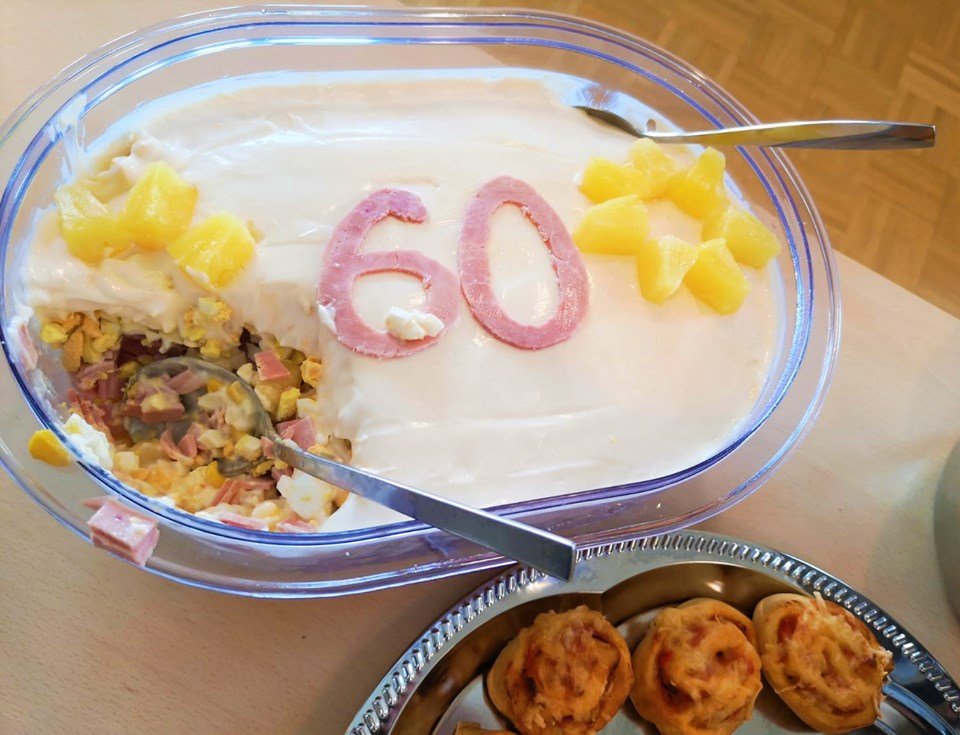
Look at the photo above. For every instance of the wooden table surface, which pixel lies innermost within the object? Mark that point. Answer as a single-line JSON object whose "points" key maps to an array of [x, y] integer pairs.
{"points": [[88, 644]]}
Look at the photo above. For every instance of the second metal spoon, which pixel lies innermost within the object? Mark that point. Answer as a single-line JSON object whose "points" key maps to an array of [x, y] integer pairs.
{"points": [[835, 134], [543, 550]]}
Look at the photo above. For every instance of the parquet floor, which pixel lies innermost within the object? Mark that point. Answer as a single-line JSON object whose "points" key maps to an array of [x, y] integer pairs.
{"points": [[896, 212]]}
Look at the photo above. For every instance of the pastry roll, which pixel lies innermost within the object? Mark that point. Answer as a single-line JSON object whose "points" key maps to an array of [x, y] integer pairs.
{"points": [[472, 728], [697, 671], [822, 660], [567, 674]]}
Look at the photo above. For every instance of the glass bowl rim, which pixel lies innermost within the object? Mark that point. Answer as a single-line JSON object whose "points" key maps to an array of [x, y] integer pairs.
{"points": [[320, 16]]}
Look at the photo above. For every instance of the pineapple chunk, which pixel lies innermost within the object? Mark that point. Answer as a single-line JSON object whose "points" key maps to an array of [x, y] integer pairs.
{"points": [[657, 168], [45, 446], [91, 232], [661, 266], [616, 227], [604, 179], [699, 191], [716, 279], [159, 208], [749, 240], [215, 251]]}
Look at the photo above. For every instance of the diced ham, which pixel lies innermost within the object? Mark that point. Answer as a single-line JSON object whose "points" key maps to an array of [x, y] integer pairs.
{"points": [[187, 381], [170, 408], [300, 431], [269, 366], [344, 264], [258, 483], [266, 447], [162, 416], [182, 451], [131, 409], [232, 488], [115, 528], [295, 526], [91, 412], [276, 473], [235, 519], [218, 419], [111, 387], [89, 375], [474, 262], [227, 492], [188, 444]]}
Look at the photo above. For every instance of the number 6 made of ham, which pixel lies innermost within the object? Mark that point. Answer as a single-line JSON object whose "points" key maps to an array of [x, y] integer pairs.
{"points": [[344, 264], [474, 261]]}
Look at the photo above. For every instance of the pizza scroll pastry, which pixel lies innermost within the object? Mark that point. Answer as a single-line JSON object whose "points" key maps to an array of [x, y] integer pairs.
{"points": [[567, 674], [822, 660], [472, 728], [697, 671]]}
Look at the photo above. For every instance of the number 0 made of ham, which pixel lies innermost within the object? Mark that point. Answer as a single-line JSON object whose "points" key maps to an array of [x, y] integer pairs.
{"points": [[344, 264], [474, 262]]}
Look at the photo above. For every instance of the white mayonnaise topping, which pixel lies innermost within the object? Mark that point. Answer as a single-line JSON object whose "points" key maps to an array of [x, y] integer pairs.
{"points": [[91, 443], [639, 391]]}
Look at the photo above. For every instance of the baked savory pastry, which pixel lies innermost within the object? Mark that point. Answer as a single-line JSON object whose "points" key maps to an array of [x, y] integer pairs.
{"points": [[697, 671], [472, 728], [822, 660], [567, 674]]}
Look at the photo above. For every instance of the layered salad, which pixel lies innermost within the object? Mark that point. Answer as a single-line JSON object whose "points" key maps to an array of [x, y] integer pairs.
{"points": [[456, 282]]}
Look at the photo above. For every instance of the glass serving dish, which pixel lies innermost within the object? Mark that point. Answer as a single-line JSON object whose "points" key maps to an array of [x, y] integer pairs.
{"points": [[611, 69]]}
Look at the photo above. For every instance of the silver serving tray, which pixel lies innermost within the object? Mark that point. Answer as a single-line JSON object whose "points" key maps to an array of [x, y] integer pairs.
{"points": [[439, 680]]}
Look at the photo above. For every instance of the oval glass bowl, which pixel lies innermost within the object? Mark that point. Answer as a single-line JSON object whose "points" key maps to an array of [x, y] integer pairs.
{"points": [[611, 69]]}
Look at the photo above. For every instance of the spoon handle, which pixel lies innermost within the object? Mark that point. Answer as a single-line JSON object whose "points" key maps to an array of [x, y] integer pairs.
{"points": [[836, 134], [542, 550]]}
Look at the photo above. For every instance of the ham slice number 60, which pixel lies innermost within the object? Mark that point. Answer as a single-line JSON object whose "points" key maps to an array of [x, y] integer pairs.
{"points": [[344, 263]]}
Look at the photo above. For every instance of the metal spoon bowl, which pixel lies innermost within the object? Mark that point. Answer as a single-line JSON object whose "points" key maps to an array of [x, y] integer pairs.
{"points": [[835, 134], [543, 550]]}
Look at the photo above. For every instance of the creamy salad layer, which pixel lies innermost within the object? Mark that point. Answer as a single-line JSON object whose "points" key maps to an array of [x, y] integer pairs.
{"points": [[639, 391]]}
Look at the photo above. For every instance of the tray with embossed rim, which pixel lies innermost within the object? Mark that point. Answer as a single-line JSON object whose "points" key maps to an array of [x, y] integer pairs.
{"points": [[438, 681]]}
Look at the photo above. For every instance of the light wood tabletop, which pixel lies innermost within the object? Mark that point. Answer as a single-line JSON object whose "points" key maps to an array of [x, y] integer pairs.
{"points": [[89, 644]]}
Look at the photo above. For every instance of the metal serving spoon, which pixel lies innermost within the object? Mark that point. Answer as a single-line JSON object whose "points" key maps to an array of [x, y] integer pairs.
{"points": [[836, 134], [545, 551]]}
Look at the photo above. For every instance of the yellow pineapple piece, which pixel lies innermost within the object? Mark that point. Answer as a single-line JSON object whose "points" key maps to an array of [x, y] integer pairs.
{"points": [[604, 179], [716, 279], [749, 240], [616, 227], [45, 446], [656, 167], [699, 190], [91, 232], [215, 251], [159, 208], [661, 266]]}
